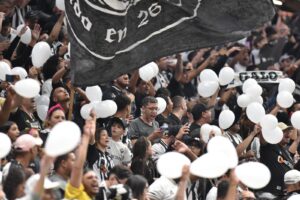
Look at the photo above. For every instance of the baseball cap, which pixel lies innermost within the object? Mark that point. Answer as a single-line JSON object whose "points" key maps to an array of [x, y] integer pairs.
{"points": [[116, 120], [26, 142], [292, 177], [197, 110], [283, 126]]}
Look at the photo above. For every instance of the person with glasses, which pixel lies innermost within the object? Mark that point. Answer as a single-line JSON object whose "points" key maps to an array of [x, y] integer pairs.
{"points": [[146, 125]]}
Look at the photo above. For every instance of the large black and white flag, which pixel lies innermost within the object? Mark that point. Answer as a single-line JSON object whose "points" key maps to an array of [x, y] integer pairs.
{"points": [[112, 37]]}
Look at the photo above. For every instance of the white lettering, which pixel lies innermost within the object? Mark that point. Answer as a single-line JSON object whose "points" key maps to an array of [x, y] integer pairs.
{"points": [[122, 34], [87, 24], [154, 10], [109, 33]]}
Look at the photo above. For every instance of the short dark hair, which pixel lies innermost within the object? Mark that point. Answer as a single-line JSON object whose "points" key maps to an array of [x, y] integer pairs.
{"points": [[59, 160], [137, 183], [197, 111], [163, 91], [148, 99], [122, 101], [121, 171], [177, 101]]}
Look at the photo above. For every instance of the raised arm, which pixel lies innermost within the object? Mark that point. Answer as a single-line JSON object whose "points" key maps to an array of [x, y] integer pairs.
{"points": [[77, 171]]}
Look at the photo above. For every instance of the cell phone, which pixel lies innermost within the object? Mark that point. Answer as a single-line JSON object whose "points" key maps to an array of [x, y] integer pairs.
{"points": [[10, 78], [164, 129]]}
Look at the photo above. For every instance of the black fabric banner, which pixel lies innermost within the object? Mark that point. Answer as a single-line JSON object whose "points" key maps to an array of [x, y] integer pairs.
{"points": [[112, 37]]}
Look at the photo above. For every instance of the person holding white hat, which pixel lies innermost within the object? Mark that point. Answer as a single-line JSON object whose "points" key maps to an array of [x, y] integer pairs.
{"points": [[292, 182]]}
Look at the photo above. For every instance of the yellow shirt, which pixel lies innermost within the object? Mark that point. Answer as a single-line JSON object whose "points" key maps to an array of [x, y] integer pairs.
{"points": [[76, 193]]}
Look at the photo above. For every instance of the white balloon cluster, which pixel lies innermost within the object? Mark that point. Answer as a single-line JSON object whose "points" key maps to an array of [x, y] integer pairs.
{"points": [[210, 81], [103, 109], [149, 71], [252, 93], [221, 156], [285, 98]]}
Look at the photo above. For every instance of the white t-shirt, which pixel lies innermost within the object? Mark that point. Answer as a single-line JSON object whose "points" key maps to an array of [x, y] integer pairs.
{"points": [[163, 189], [119, 152]]}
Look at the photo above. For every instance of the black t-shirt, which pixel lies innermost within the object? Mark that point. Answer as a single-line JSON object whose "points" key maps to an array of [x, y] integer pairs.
{"points": [[100, 162], [279, 161], [174, 120], [138, 102], [24, 121]]}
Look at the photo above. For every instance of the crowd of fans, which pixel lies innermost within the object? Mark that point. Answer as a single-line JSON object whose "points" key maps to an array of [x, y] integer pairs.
{"points": [[117, 156]]}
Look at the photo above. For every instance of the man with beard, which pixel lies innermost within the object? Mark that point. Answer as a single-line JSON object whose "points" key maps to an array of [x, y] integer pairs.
{"points": [[118, 87], [60, 96]]}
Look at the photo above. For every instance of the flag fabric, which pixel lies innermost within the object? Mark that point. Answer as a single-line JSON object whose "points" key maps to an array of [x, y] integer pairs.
{"points": [[112, 37]]}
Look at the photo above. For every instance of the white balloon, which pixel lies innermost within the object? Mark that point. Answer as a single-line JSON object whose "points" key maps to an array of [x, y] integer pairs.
{"points": [[210, 165], [248, 83], [285, 99], [27, 88], [226, 119], [269, 122], [155, 68], [297, 196], [273, 136], [216, 130], [255, 175], [226, 75], [42, 111], [243, 100], [205, 132], [208, 75], [286, 84], [94, 93], [148, 71], [255, 112], [4, 70], [26, 37], [220, 144], [60, 4], [85, 110], [207, 88], [162, 104], [42, 100], [105, 108], [5, 145], [254, 90], [257, 99], [20, 71], [295, 119], [41, 52], [170, 164], [63, 138]]}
